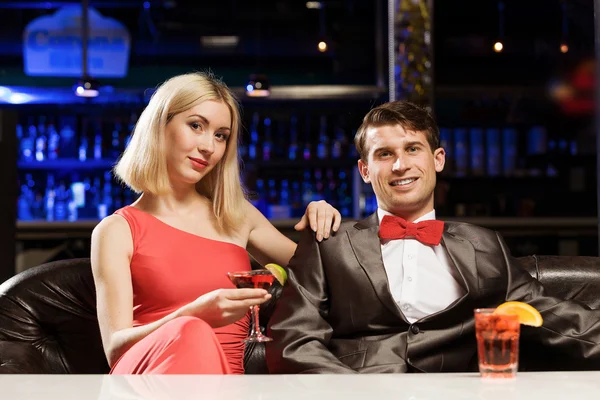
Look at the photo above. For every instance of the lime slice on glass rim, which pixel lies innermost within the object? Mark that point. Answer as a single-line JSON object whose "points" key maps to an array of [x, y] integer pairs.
{"points": [[278, 272]]}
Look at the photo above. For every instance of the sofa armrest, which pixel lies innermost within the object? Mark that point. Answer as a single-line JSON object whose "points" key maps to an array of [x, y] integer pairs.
{"points": [[22, 358]]}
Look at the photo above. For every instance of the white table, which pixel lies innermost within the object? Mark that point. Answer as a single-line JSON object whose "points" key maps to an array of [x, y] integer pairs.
{"points": [[527, 386]]}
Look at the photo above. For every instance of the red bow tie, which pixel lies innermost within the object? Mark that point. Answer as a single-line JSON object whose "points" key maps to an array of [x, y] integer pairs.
{"points": [[426, 232]]}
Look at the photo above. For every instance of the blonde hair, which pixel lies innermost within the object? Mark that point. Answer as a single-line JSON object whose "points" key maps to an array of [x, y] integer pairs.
{"points": [[143, 165]]}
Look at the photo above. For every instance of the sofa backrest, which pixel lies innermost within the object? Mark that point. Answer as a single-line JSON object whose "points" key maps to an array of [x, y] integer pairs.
{"points": [[52, 310], [567, 277]]}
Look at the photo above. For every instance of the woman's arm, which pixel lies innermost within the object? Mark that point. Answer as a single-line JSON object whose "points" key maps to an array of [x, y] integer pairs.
{"points": [[112, 248], [267, 244]]}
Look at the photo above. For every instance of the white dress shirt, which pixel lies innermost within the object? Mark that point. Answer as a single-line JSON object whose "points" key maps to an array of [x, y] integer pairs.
{"points": [[421, 278]]}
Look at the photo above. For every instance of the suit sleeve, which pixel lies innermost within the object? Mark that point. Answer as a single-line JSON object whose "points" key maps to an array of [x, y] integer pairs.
{"points": [[569, 326], [299, 326]]}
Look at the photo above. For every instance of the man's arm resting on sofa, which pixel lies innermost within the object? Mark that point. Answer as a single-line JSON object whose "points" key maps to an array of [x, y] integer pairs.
{"points": [[569, 326], [298, 326], [22, 358]]}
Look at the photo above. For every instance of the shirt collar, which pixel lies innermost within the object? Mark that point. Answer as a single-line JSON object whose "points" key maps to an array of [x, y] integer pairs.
{"points": [[427, 217]]}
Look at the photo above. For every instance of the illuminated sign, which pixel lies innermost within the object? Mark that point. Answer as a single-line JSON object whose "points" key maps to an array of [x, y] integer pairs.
{"points": [[52, 45]]}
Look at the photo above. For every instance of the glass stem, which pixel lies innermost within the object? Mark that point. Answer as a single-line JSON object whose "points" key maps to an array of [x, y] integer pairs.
{"points": [[255, 310]]}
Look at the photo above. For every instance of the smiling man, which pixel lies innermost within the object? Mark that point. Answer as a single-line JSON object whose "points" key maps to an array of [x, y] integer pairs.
{"points": [[396, 292]]}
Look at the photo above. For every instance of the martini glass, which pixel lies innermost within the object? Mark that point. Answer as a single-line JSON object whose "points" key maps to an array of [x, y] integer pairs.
{"points": [[254, 279]]}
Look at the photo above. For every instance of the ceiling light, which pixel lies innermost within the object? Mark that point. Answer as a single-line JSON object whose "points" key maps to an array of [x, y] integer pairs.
{"points": [[220, 41], [498, 47], [314, 4], [322, 46], [87, 87], [19, 98], [258, 86]]}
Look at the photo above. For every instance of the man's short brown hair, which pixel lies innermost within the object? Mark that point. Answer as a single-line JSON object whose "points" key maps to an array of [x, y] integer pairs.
{"points": [[408, 115]]}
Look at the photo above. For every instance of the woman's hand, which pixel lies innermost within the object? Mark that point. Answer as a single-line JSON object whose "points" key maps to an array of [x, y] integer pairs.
{"points": [[224, 306], [322, 217]]}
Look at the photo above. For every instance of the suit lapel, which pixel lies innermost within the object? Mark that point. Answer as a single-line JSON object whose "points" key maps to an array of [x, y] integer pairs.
{"points": [[365, 243], [462, 255]]}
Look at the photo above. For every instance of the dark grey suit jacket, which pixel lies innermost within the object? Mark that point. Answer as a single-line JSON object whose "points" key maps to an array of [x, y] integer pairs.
{"points": [[336, 314]]}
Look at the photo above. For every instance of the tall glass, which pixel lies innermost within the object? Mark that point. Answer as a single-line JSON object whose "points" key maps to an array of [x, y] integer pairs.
{"points": [[497, 343], [255, 279]]}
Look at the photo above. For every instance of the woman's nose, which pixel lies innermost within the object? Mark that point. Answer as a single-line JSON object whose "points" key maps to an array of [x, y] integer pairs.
{"points": [[206, 144]]}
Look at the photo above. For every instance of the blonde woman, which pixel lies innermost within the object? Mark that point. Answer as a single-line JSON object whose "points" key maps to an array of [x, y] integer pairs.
{"points": [[165, 304]]}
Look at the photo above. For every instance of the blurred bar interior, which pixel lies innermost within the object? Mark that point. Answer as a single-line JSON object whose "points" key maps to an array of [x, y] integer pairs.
{"points": [[511, 84]]}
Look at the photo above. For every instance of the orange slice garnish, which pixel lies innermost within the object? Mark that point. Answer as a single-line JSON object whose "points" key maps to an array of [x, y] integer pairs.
{"points": [[527, 314]]}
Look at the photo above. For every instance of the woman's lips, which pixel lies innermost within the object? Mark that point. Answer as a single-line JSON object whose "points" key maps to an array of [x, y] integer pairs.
{"points": [[198, 163]]}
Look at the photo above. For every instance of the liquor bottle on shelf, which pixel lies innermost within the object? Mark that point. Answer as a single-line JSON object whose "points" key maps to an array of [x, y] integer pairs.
{"points": [[509, 146], [447, 144], [344, 194], [536, 140], [319, 185], [115, 141], [49, 197], [28, 141], [307, 187], [306, 149], [323, 140], [53, 141], [461, 152], [82, 152], [494, 157], [130, 128], [284, 194], [78, 198], [329, 190], [339, 145], [97, 141], [253, 145], [293, 148], [267, 145], [68, 147], [477, 152], [297, 206], [41, 140], [24, 202], [62, 196], [259, 201]]}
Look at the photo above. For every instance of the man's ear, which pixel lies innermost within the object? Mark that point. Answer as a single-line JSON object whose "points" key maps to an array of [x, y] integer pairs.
{"points": [[363, 168], [439, 159]]}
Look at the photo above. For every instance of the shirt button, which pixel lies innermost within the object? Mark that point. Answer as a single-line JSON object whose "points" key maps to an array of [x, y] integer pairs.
{"points": [[409, 279], [410, 256], [415, 329]]}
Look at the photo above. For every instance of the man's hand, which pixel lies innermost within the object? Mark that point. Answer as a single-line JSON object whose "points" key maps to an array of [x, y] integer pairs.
{"points": [[321, 217]]}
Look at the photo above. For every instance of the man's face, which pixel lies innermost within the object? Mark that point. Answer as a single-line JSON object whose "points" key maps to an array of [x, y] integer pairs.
{"points": [[402, 169]]}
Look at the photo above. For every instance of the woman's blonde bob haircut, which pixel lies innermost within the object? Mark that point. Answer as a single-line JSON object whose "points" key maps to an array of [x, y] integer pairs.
{"points": [[143, 165]]}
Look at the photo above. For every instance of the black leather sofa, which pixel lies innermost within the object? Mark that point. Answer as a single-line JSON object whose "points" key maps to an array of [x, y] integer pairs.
{"points": [[48, 318]]}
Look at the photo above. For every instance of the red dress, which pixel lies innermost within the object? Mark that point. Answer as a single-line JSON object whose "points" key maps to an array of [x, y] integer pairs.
{"points": [[171, 268]]}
